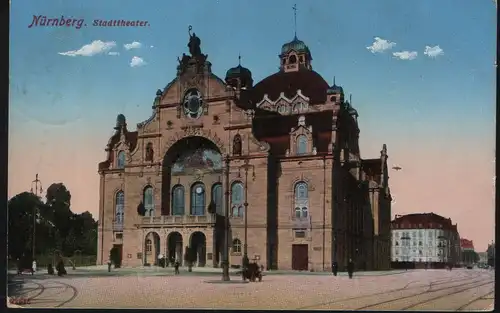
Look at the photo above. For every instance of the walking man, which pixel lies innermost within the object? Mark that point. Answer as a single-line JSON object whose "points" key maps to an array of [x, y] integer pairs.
{"points": [[350, 268], [176, 266], [109, 265], [335, 268]]}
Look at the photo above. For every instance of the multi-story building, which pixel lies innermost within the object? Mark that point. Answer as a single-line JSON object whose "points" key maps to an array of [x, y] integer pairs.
{"points": [[424, 239], [281, 157], [468, 255]]}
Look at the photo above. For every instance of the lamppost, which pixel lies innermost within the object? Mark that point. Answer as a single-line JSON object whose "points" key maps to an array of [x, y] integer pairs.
{"points": [[225, 258], [246, 166], [38, 187]]}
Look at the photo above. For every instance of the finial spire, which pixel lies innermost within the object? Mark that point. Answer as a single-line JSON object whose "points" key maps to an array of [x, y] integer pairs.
{"points": [[295, 19], [334, 81], [350, 98], [239, 59]]}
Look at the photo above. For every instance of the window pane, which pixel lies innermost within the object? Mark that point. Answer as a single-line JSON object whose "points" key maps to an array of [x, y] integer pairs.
{"points": [[301, 144], [198, 199], [178, 200], [237, 193], [121, 159], [217, 198]]}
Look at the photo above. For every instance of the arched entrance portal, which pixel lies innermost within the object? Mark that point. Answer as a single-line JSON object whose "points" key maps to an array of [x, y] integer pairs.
{"points": [[198, 244], [174, 247], [188, 157], [151, 248]]}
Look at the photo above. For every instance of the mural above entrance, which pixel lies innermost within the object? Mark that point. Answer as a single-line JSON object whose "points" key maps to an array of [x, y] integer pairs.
{"points": [[204, 159]]}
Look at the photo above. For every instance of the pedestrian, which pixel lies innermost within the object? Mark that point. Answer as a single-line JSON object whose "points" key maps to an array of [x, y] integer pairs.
{"points": [[19, 267], [50, 269], [109, 265], [33, 267], [350, 268], [335, 268], [176, 266]]}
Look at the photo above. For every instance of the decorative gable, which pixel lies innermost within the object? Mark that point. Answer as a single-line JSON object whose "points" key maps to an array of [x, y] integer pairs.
{"points": [[285, 106], [301, 139]]}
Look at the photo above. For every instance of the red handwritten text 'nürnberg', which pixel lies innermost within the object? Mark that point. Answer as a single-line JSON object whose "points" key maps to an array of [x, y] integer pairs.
{"points": [[44, 21]]}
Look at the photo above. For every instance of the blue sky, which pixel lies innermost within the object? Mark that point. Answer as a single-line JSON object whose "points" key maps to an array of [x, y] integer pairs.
{"points": [[447, 101]]}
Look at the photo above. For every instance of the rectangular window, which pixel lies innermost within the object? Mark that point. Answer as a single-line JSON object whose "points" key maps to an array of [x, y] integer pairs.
{"points": [[119, 236], [139, 255], [300, 233]]}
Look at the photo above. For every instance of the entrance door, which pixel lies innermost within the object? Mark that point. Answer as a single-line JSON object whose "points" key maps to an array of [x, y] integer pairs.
{"points": [[300, 257]]}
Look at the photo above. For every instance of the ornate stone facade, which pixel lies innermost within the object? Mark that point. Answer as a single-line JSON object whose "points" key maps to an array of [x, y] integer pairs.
{"points": [[282, 156]]}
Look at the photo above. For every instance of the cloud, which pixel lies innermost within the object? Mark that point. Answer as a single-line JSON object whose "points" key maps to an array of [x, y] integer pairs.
{"points": [[96, 47], [433, 52], [113, 53], [137, 61], [380, 45], [151, 46], [406, 55], [133, 45]]}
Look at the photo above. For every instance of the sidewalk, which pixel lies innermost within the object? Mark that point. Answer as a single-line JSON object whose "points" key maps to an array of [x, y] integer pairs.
{"points": [[217, 271]]}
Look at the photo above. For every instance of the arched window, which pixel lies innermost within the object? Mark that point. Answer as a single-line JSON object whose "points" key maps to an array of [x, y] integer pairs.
{"points": [[120, 162], [237, 144], [148, 200], [292, 59], [301, 200], [217, 198], [237, 199], [119, 207], [236, 246], [149, 245], [301, 144], [198, 199], [178, 200]]}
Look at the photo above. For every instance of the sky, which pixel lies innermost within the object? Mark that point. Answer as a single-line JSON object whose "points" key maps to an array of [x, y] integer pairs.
{"points": [[421, 74]]}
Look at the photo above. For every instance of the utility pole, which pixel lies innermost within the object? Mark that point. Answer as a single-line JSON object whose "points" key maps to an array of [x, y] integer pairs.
{"points": [[246, 166], [38, 188], [225, 258]]}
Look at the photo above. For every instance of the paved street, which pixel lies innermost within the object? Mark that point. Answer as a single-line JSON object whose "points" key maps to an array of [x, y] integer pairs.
{"points": [[459, 289]]}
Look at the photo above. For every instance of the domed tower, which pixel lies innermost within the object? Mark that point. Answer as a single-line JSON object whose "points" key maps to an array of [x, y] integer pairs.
{"points": [[295, 55], [335, 93], [239, 76]]}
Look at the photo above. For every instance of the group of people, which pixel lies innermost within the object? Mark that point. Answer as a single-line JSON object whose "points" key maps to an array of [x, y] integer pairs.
{"points": [[350, 268], [50, 269]]}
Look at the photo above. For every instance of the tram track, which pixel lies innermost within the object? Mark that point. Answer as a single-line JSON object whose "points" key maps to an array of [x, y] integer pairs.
{"points": [[469, 303], [466, 277], [41, 290], [477, 281]]}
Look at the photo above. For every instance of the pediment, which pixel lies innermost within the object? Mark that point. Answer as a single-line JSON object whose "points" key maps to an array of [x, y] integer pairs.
{"points": [[171, 93], [216, 87]]}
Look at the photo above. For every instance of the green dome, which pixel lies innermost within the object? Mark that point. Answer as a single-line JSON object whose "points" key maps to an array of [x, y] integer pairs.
{"points": [[238, 71], [296, 45], [335, 89]]}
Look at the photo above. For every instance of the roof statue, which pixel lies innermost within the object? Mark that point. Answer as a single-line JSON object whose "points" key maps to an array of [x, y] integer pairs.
{"points": [[194, 43]]}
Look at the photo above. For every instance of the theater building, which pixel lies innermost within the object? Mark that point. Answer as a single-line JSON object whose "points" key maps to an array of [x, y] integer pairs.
{"points": [[282, 155], [424, 239]]}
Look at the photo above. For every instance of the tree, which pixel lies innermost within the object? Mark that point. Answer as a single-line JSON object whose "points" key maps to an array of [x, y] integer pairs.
{"points": [[20, 225], [141, 210], [115, 256], [57, 227]]}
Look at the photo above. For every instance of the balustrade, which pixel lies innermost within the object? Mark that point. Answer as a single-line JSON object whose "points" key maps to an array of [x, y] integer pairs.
{"points": [[178, 219]]}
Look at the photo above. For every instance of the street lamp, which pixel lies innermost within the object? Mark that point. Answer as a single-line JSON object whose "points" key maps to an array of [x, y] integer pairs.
{"points": [[225, 257], [246, 166], [38, 188]]}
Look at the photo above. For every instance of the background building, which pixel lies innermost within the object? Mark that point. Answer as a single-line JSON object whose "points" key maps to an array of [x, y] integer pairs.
{"points": [[424, 239], [468, 254], [281, 155]]}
